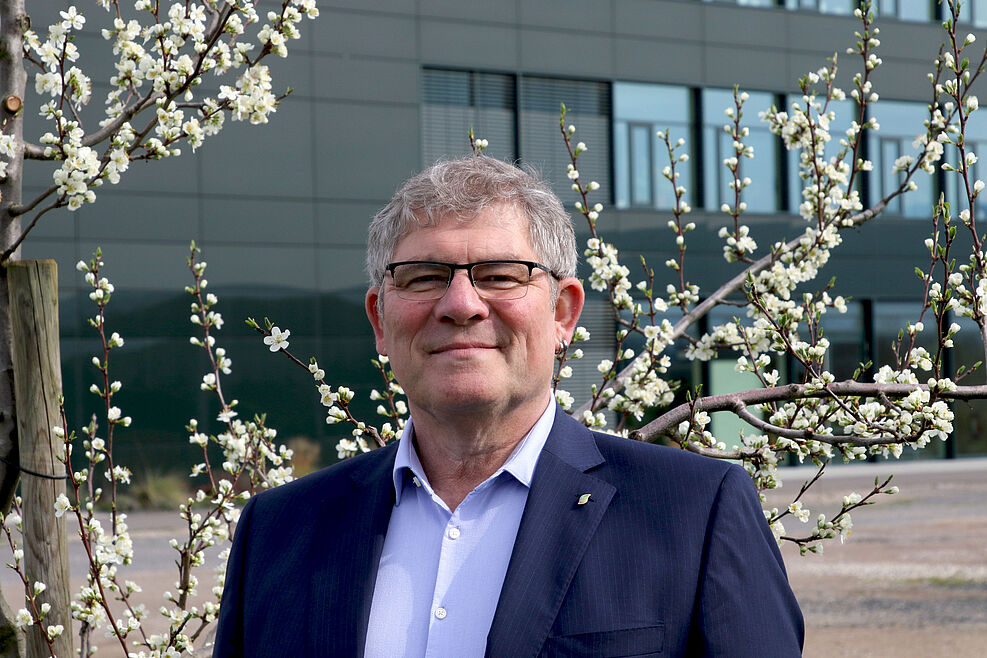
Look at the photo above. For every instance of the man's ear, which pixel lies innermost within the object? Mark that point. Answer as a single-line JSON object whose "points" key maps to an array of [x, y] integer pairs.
{"points": [[568, 307], [374, 311]]}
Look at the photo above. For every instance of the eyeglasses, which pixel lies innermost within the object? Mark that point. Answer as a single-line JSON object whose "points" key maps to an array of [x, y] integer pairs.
{"points": [[425, 280]]}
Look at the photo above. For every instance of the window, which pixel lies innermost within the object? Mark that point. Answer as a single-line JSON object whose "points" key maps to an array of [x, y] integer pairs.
{"points": [[972, 11], [840, 7], [762, 169], [749, 3], [899, 123], [588, 105], [456, 100], [906, 10], [847, 350], [640, 111]]}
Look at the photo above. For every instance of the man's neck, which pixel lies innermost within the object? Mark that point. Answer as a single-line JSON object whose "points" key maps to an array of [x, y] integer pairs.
{"points": [[459, 452]]}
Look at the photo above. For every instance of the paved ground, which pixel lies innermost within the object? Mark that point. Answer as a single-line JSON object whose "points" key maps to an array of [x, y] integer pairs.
{"points": [[911, 580]]}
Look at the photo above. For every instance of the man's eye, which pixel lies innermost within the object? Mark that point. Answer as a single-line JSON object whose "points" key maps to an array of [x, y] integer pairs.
{"points": [[502, 279], [422, 279], [425, 279]]}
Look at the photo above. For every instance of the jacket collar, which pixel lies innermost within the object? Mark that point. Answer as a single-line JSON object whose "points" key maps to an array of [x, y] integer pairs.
{"points": [[558, 522]]}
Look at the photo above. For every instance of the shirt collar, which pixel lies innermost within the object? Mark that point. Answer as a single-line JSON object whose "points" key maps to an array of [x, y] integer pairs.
{"points": [[520, 464]]}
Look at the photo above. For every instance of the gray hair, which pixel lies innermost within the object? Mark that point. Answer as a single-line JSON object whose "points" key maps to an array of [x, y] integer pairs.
{"points": [[463, 188]]}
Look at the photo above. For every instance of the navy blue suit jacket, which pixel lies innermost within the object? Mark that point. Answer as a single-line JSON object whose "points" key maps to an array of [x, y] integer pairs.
{"points": [[670, 557]]}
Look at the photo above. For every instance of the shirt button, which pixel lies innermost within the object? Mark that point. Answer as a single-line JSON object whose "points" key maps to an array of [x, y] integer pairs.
{"points": [[454, 533], [440, 613]]}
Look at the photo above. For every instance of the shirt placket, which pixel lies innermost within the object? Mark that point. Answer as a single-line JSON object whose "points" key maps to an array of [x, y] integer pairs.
{"points": [[443, 622]]}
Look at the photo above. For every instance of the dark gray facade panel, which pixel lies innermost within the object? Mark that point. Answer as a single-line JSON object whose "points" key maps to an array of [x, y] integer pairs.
{"points": [[136, 265], [257, 221], [363, 151], [561, 53], [390, 6], [659, 61], [678, 21], [757, 69], [166, 175], [366, 80], [819, 36], [469, 45], [151, 217], [344, 223], [362, 33], [578, 15], [260, 265], [745, 27], [341, 269], [272, 159], [473, 11], [915, 42]]}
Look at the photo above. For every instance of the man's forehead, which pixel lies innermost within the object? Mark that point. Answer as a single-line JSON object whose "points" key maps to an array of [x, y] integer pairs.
{"points": [[495, 213], [498, 216]]}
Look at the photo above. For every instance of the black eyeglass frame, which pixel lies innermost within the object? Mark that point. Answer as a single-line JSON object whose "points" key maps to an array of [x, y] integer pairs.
{"points": [[531, 265]]}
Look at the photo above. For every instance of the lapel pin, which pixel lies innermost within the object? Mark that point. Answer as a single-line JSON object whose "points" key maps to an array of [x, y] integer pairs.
{"points": [[583, 499]]}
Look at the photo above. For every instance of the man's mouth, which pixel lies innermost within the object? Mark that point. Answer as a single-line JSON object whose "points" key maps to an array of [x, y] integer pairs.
{"points": [[461, 346]]}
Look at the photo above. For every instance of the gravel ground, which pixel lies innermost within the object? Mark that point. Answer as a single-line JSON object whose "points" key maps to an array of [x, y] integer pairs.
{"points": [[912, 578], [910, 581]]}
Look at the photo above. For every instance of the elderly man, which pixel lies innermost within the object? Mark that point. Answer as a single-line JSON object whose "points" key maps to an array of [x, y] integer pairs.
{"points": [[498, 525]]}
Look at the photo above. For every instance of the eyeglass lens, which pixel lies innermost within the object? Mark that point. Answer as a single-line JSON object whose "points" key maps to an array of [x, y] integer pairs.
{"points": [[494, 280]]}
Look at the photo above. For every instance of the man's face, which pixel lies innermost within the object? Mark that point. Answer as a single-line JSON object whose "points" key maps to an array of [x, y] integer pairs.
{"points": [[462, 353]]}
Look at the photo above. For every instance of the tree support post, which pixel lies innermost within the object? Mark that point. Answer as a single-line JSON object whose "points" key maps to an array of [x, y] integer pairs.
{"points": [[33, 295]]}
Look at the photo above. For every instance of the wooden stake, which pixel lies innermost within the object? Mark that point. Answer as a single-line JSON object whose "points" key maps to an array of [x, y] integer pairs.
{"points": [[33, 294]]}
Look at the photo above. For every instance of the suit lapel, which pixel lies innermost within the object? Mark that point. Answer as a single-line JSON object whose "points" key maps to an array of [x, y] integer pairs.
{"points": [[369, 502], [554, 533]]}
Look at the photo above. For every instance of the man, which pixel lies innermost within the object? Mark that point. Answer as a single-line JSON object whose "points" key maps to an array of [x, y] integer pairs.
{"points": [[498, 525]]}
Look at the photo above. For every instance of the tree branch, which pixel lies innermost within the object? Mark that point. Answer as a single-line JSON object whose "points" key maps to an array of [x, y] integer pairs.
{"points": [[13, 247], [731, 286], [23, 209], [733, 402]]}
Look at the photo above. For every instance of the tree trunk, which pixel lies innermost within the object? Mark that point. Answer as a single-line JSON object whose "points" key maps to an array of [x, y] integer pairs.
{"points": [[13, 77]]}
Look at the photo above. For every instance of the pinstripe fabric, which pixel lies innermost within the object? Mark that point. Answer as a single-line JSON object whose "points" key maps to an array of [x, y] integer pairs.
{"points": [[670, 557]]}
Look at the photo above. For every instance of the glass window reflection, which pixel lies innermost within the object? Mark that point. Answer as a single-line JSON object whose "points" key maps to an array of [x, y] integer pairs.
{"points": [[640, 111], [762, 169], [898, 121]]}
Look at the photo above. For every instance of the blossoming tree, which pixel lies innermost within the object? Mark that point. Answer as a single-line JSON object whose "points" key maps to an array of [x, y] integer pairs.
{"points": [[162, 52], [779, 307]]}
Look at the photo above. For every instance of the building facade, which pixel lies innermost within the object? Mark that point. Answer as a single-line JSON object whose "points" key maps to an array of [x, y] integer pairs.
{"points": [[382, 88]]}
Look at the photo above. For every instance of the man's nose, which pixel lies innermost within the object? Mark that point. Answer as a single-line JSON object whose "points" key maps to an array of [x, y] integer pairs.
{"points": [[461, 303]]}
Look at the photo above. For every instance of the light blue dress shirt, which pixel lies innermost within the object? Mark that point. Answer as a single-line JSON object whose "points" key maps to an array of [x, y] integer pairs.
{"points": [[441, 571]]}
